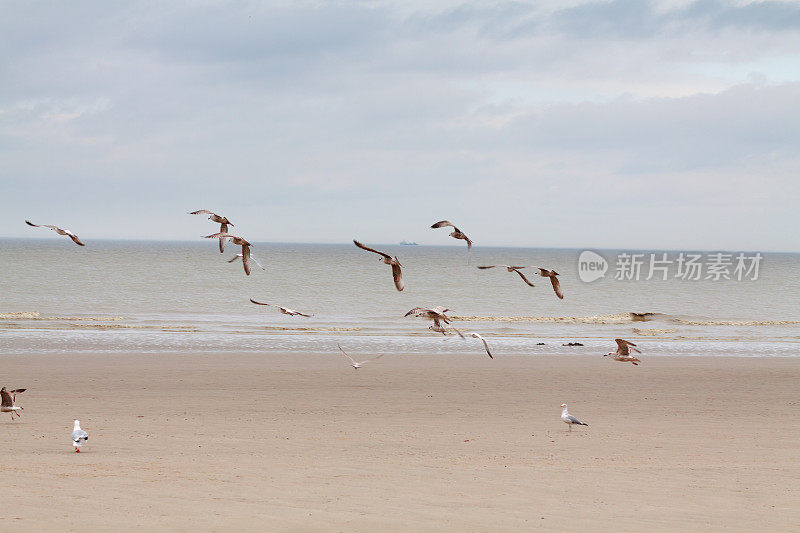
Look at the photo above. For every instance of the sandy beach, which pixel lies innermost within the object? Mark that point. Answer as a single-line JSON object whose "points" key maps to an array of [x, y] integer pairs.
{"points": [[304, 442]]}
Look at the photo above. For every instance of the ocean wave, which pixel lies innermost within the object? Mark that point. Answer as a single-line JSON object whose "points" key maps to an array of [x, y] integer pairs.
{"points": [[35, 315], [693, 322], [652, 332], [619, 318]]}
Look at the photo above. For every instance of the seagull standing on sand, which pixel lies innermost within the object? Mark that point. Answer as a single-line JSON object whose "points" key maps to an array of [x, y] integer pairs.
{"points": [[58, 230], [570, 420], [511, 269], [437, 314], [456, 234], [397, 273], [236, 240], [623, 352], [553, 280], [223, 224], [284, 310], [355, 364], [8, 398], [477, 336], [78, 435]]}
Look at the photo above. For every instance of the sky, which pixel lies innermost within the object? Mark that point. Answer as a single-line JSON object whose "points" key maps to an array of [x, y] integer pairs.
{"points": [[579, 124]]}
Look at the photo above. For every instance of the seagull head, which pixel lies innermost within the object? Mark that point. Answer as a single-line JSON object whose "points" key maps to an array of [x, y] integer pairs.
{"points": [[563, 405], [77, 424]]}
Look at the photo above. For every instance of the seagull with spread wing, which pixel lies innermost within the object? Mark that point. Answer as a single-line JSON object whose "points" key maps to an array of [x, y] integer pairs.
{"points": [[8, 397], [223, 224], [570, 420], [397, 273], [511, 269], [284, 310], [236, 240], [437, 314], [456, 234], [623, 352], [478, 336], [552, 274], [356, 365], [58, 230]]}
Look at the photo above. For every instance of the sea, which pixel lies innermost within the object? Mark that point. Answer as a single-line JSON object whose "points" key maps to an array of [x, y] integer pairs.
{"points": [[185, 297]]}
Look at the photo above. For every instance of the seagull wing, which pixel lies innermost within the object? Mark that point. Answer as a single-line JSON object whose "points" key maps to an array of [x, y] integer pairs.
{"points": [[219, 235], [79, 434], [490, 266], [202, 212], [257, 262], [75, 238], [260, 303], [443, 223], [7, 400], [367, 248], [416, 311], [28, 222], [15, 392], [622, 347], [246, 258], [459, 333], [235, 257], [526, 280], [223, 228], [556, 286], [397, 274], [345, 354], [574, 420], [477, 336]]}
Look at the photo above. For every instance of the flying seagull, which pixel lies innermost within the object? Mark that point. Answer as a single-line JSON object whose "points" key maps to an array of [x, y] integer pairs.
{"points": [[353, 362], [437, 314], [223, 224], [553, 280], [239, 256], [78, 435], [511, 269], [284, 310], [58, 230], [477, 336], [397, 273], [623, 352], [236, 240], [457, 234], [8, 398], [570, 420]]}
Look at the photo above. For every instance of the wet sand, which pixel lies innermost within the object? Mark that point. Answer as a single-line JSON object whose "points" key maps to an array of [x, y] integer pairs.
{"points": [[414, 443]]}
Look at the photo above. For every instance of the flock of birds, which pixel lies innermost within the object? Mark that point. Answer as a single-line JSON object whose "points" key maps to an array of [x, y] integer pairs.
{"points": [[441, 322]]}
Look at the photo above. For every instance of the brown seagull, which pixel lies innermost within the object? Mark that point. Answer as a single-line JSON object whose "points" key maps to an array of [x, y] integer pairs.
{"points": [[511, 269], [235, 240], [553, 280], [284, 310], [58, 230], [8, 398], [223, 224], [397, 273], [623, 352], [457, 234], [437, 314]]}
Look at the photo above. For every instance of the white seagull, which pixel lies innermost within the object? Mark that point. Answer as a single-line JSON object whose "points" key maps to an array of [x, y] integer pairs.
{"points": [[623, 352], [284, 310], [58, 230], [78, 435], [353, 362], [397, 273], [223, 224], [239, 256], [570, 420], [477, 336], [8, 399], [511, 269]]}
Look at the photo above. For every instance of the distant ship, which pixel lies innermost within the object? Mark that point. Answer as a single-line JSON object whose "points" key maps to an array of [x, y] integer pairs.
{"points": [[406, 243]]}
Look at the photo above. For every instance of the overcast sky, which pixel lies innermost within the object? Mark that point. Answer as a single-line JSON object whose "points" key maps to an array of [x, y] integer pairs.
{"points": [[662, 125]]}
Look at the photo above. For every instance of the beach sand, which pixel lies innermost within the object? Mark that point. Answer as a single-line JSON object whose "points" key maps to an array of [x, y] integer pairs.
{"points": [[415, 443]]}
